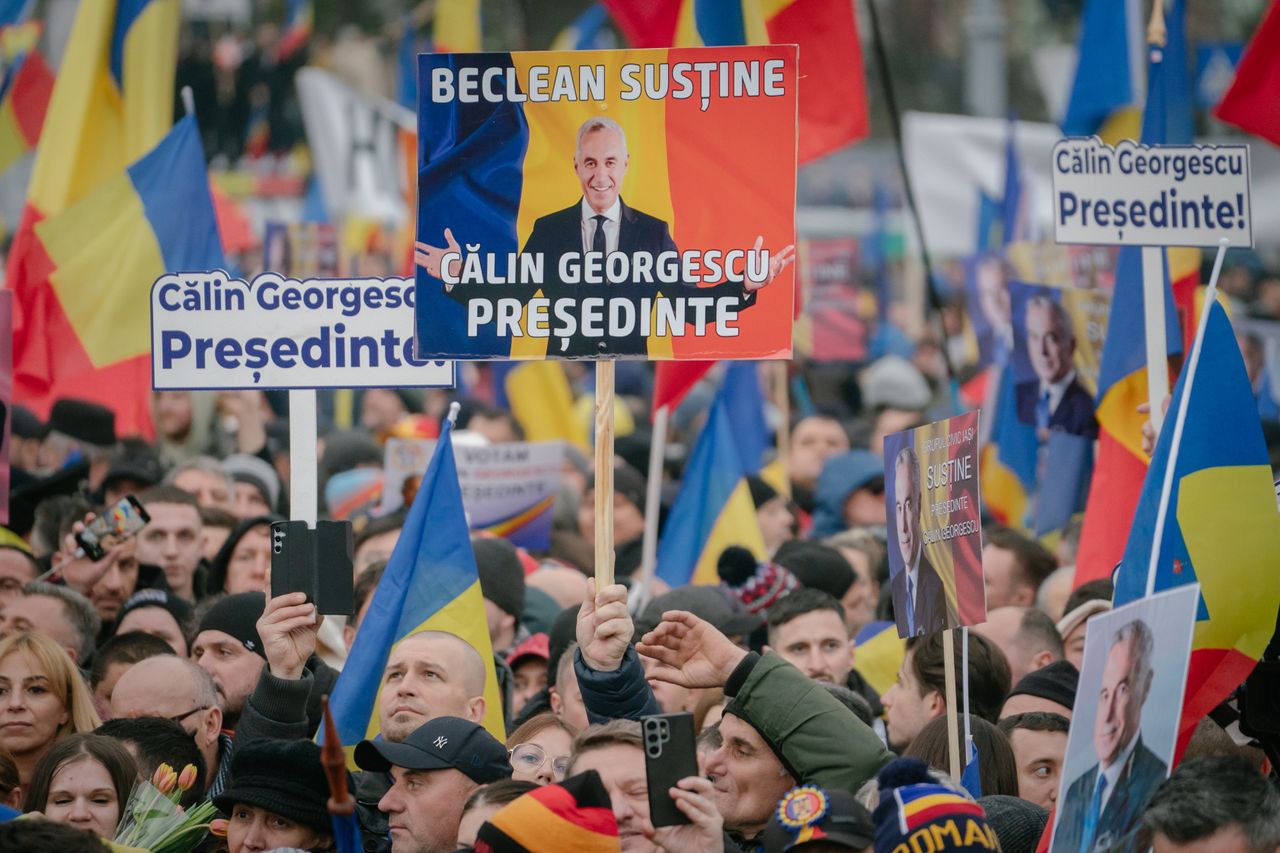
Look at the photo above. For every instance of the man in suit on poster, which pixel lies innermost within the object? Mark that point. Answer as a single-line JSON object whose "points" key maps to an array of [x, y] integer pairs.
{"points": [[1055, 399], [1103, 806], [600, 222], [920, 603]]}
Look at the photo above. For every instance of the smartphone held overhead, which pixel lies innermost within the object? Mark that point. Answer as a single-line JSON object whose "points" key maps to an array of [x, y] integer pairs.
{"points": [[115, 525]]}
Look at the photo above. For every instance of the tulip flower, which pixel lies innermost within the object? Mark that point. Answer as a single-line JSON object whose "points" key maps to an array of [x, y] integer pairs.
{"points": [[187, 778], [158, 778], [218, 827]]}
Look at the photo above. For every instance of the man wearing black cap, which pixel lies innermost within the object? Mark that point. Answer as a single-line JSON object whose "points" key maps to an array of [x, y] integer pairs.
{"points": [[1050, 689], [433, 772], [228, 647], [80, 431]]}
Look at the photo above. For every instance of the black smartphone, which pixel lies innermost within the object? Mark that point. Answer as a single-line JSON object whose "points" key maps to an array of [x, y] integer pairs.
{"points": [[316, 562], [670, 754], [111, 528]]}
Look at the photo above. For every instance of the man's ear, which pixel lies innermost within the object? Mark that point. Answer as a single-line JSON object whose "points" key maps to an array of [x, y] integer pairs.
{"points": [[211, 728], [475, 709], [1041, 660], [935, 703], [557, 704]]}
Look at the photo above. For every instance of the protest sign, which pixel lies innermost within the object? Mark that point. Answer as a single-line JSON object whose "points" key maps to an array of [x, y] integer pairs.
{"points": [[602, 204], [831, 326], [1057, 351], [934, 507], [1085, 267], [210, 331], [6, 397], [508, 489], [1159, 195], [1125, 720]]}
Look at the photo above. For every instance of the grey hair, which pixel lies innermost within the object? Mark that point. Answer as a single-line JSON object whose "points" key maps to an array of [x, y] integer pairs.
{"points": [[1212, 792], [907, 456], [79, 611], [600, 123], [203, 690], [208, 465], [1056, 311], [1139, 634]]}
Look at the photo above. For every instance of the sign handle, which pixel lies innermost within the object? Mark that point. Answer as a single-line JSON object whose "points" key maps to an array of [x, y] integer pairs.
{"points": [[653, 500], [1154, 326], [604, 474], [953, 720], [304, 503]]}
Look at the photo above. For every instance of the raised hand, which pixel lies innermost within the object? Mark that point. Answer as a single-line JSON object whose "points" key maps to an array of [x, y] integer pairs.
{"points": [[430, 257], [689, 652], [604, 628], [705, 834], [288, 628]]}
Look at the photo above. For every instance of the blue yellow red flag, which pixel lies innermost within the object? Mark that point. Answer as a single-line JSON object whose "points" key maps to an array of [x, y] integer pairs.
{"points": [[587, 32], [112, 102], [1108, 72], [713, 509], [1207, 515], [24, 100], [299, 20], [430, 584]]}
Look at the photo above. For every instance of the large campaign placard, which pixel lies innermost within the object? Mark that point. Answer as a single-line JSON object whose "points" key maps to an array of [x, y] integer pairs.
{"points": [[934, 510], [1159, 195], [607, 204], [211, 331], [6, 397], [1125, 721], [831, 326], [508, 489]]}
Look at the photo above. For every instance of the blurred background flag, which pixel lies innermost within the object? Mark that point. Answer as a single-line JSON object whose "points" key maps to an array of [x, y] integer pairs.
{"points": [[1250, 103], [24, 100], [112, 102], [457, 27], [833, 89], [1108, 75], [299, 20], [587, 32], [1207, 514], [430, 584], [713, 509]]}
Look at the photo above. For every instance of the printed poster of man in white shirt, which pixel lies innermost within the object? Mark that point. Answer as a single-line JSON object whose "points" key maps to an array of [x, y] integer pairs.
{"points": [[935, 541]]}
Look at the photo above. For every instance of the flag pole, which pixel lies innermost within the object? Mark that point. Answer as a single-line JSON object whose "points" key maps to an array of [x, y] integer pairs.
{"points": [[964, 689], [1153, 257], [782, 399], [604, 474], [1180, 419], [953, 725], [652, 506]]}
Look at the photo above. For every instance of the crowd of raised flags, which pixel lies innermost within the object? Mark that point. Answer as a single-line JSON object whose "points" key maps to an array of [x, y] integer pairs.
{"points": [[120, 193]]}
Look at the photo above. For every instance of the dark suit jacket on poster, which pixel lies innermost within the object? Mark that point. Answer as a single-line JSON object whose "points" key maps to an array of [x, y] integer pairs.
{"points": [[1075, 412], [931, 613], [1118, 826], [560, 233]]}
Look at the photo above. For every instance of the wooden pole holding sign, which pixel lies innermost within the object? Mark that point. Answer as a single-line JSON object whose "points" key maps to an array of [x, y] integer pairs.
{"points": [[604, 474], [653, 499], [304, 503], [953, 718]]}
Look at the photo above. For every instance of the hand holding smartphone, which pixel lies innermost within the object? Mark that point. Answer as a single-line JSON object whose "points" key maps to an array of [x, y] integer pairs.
{"points": [[670, 754], [111, 528]]}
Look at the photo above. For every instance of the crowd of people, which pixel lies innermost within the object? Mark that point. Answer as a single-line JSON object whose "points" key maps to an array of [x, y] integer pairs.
{"points": [[168, 650]]}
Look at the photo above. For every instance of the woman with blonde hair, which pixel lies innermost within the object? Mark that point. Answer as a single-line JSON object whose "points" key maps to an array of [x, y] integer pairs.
{"points": [[42, 698]]}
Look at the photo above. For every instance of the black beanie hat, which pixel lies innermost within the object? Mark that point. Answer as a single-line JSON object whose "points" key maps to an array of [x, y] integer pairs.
{"points": [[816, 566], [501, 574], [84, 421], [218, 568], [1056, 682], [562, 635], [182, 612], [237, 615], [284, 777]]}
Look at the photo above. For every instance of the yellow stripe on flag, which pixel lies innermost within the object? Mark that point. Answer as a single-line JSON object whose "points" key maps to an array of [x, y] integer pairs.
{"points": [[542, 402], [457, 27], [106, 258], [12, 144], [736, 525], [1118, 413], [464, 618], [150, 55], [879, 659], [1124, 123]]}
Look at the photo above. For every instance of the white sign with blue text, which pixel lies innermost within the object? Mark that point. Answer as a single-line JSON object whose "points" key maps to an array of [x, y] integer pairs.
{"points": [[1157, 195], [211, 331]]}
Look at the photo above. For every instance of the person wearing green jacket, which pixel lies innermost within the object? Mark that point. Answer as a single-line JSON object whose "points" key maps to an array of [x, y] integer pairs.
{"points": [[780, 730]]}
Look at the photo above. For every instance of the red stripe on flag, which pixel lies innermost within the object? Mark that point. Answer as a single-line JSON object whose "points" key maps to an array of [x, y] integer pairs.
{"points": [[1212, 675], [1250, 103], [833, 88], [648, 24], [1113, 497], [31, 91], [673, 379]]}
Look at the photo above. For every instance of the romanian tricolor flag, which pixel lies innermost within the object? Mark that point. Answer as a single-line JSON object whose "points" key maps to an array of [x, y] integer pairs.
{"points": [[713, 509], [587, 31], [298, 23], [1108, 82], [257, 133], [877, 654], [833, 88], [430, 584], [112, 103], [456, 28], [24, 99], [1121, 465], [1207, 514]]}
